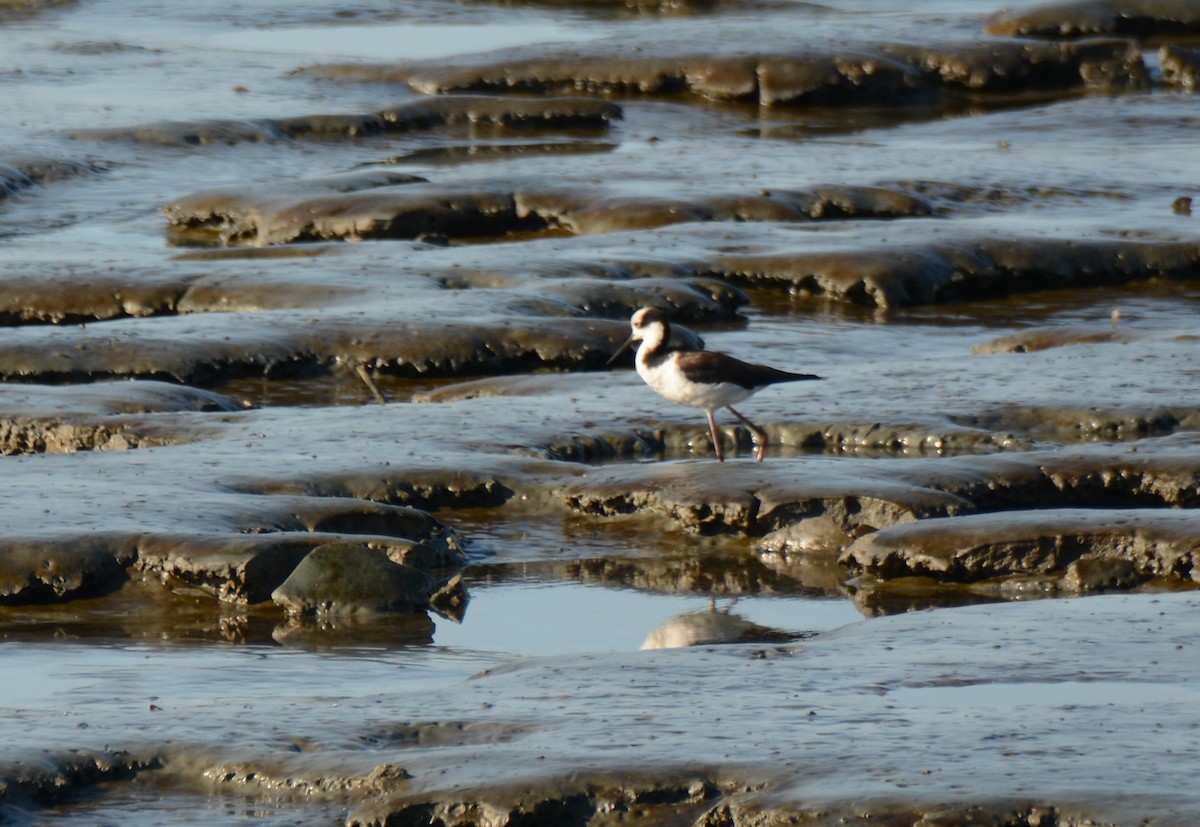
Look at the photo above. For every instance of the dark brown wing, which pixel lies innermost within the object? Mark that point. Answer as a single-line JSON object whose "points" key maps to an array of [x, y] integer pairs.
{"points": [[714, 368]]}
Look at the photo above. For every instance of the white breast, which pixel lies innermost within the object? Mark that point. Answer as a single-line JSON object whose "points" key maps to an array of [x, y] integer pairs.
{"points": [[668, 380]]}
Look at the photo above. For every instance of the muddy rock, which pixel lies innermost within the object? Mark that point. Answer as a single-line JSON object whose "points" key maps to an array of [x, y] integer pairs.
{"points": [[408, 117], [53, 778], [820, 505], [231, 541], [680, 440], [232, 212], [1087, 18], [52, 571], [36, 436], [1007, 68], [1073, 424], [375, 205], [255, 345], [234, 569], [451, 599], [111, 399], [344, 579], [1180, 66], [105, 416], [977, 268], [17, 174], [248, 570], [688, 299], [745, 500], [70, 300], [1099, 524], [877, 74], [281, 778], [574, 801], [820, 537], [1074, 549], [616, 213]]}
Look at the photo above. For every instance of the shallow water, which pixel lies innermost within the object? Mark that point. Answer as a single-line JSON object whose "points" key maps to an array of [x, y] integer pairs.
{"points": [[1088, 167]]}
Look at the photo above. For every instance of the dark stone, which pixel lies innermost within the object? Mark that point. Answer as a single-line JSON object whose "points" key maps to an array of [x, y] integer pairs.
{"points": [[343, 579]]}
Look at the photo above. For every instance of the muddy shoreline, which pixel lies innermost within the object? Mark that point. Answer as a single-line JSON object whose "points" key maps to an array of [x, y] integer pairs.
{"points": [[418, 758], [326, 505]]}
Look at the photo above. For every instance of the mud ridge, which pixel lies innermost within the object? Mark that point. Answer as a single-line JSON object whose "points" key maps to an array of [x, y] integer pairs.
{"points": [[1080, 550], [1088, 18], [100, 417], [33, 436], [66, 300], [239, 557], [575, 801], [1180, 67], [969, 436], [383, 205], [431, 488], [405, 118], [18, 174], [56, 778], [172, 349], [898, 276], [859, 498], [894, 75]]}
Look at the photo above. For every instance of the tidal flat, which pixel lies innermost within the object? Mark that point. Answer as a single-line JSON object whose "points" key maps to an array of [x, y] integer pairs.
{"points": [[324, 505]]}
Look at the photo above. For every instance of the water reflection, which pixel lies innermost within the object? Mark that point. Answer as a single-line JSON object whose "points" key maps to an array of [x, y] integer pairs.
{"points": [[530, 617], [713, 626]]}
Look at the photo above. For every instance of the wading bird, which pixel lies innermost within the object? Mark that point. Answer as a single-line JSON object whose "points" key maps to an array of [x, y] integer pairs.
{"points": [[699, 378]]}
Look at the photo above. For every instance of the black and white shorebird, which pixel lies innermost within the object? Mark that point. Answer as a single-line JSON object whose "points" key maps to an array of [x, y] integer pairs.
{"points": [[699, 378]]}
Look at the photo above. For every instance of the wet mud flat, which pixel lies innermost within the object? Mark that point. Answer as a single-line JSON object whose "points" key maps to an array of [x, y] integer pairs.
{"points": [[917, 718], [325, 505]]}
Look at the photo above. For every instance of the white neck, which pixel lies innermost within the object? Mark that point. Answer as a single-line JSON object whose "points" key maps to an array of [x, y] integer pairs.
{"points": [[653, 338]]}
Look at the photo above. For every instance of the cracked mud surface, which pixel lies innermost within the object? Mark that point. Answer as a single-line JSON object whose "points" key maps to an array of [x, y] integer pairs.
{"points": [[239, 587]]}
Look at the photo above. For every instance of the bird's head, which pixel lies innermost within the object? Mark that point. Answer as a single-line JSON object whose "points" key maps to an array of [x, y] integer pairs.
{"points": [[647, 325]]}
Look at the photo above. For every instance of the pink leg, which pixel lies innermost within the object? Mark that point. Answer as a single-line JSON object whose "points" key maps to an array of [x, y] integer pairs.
{"points": [[712, 426], [757, 431]]}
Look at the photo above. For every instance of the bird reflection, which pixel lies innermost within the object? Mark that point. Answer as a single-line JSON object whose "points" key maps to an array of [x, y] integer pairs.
{"points": [[712, 626]]}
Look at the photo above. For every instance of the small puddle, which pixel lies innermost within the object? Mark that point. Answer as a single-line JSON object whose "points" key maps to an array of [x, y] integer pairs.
{"points": [[67, 684], [539, 619]]}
